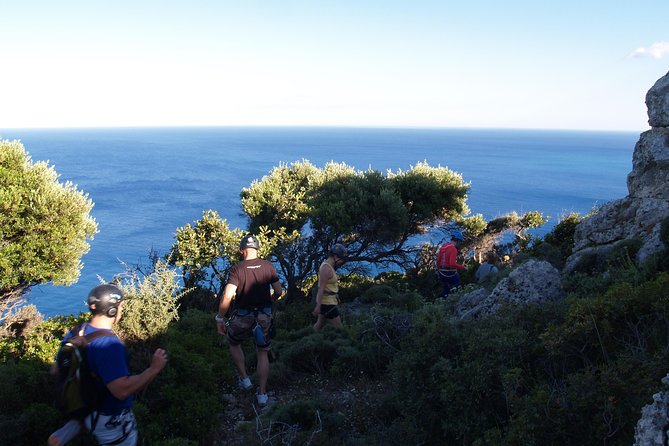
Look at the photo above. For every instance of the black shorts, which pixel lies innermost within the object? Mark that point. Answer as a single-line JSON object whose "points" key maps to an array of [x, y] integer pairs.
{"points": [[329, 311]]}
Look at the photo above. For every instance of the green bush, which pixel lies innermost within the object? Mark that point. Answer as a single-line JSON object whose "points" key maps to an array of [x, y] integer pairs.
{"points": [[353, 285], [582, 284], [589, 263], [409, 301], [624, 253], [306, 414], [655, 263], [293, 316], [562, 235], [306, 351], [550, 253], [180, 403], [378, 294], [598, 360], [150, 303]]}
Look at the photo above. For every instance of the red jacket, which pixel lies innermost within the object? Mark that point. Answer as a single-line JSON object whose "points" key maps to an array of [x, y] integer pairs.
{"points": [[447, 257]]}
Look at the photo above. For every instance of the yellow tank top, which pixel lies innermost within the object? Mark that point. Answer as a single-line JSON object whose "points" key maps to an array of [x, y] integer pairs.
{"points": [[331, 288]]}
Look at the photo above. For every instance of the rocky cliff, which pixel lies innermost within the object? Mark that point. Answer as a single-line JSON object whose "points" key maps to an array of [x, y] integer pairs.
{"points": [[640, 214]]}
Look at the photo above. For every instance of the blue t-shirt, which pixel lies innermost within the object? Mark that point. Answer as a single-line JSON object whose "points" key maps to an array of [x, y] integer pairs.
{"points": [[108, 359]]}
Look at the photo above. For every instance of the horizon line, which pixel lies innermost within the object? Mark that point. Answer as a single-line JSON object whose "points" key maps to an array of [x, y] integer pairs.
{"points": [[307, 126]]}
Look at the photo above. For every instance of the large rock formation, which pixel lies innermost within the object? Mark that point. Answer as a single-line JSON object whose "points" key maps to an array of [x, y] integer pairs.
{"points": [[535, 281], [640, 214]]}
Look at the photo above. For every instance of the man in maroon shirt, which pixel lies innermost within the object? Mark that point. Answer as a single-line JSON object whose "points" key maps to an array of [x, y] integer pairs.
{"points": [[249, 283]]}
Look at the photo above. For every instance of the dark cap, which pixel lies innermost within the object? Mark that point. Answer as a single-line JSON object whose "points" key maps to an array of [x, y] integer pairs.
{"points": [[249, 241]]}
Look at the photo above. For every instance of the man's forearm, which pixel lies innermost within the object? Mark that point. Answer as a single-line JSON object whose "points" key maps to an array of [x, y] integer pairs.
{"points": [[126, 386]]}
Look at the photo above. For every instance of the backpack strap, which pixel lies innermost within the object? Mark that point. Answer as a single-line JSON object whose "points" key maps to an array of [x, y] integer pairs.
{"points": [[99, 334], [93, 335]]}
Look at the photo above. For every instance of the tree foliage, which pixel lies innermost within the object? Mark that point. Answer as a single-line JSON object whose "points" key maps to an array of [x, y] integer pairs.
{"points": [[45, 226], [306, 209]]}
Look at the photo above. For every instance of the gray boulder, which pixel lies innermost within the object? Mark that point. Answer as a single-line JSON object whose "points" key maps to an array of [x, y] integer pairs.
{"points": [[653, 427], [535, 281]]}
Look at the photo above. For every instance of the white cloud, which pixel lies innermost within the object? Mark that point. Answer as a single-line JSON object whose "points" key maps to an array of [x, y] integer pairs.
{"points": [[658, 50]]}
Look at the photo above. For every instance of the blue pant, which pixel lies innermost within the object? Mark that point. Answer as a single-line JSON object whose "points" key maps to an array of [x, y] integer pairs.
{"points": [[450, 281]]}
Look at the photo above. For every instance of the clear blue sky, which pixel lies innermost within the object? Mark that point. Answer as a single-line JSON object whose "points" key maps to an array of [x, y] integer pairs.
{"points": [[583, 64]]}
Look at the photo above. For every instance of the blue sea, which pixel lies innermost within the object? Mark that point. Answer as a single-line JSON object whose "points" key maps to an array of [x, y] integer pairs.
{"points": [[146, 182]]}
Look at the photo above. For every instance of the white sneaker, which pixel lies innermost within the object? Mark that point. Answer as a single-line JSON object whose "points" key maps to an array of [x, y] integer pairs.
{"points": [[245, 383], [262, 399]]}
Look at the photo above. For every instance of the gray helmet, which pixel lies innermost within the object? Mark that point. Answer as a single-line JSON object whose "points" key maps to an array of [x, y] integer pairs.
{"points": [[106, 299], [249, 241], [339, 250]]}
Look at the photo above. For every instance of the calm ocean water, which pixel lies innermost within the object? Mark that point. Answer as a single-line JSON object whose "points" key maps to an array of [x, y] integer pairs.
{"points": [[147, 182]]}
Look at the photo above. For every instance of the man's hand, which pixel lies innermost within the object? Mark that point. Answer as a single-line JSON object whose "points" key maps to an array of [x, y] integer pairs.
{"points": [[159, 360], [220, 326], [317, 310]]}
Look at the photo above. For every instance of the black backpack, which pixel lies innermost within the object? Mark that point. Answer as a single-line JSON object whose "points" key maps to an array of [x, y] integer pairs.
{"points": [[76, 388]]}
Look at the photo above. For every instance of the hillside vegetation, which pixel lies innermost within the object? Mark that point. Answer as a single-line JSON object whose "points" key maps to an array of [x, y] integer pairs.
{"points": [[405, 369]]}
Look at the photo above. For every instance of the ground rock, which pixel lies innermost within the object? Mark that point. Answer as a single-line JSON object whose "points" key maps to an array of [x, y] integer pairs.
{"points": [[653, 427], [535, 281]]}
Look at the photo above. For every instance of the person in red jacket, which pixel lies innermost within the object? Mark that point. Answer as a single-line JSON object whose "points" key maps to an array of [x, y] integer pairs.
{"points": [[447, 263]]}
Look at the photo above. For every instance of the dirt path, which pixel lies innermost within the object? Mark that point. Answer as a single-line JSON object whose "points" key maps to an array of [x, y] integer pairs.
{"points": [[355, 401]]}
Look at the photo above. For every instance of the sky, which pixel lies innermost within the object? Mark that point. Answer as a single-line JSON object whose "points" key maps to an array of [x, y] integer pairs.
{"points": [[583, 65]]}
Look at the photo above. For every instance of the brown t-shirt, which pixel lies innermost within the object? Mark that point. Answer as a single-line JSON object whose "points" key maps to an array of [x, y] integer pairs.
{"points": [[253, 279]]}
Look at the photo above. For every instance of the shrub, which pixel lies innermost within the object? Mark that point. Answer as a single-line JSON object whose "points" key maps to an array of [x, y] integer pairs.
{"points": [[624, 253], [582, 284], [306, 414], [150, 303], [376, 340], [562, 235], [307, 351], [180, 403], [293, 316], [352, 286], [550, 253], [409, 301], [378, 294], [589, 263]]}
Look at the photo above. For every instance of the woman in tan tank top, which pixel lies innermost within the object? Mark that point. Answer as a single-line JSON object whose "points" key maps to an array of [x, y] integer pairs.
{"points": [[327, 297]]}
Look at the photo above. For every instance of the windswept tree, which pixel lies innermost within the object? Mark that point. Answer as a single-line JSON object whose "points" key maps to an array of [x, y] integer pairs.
{"points": [[44, 226]]}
